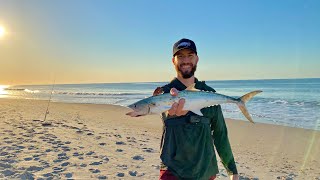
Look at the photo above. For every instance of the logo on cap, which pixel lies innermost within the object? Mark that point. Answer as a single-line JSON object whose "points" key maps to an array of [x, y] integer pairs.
{"points": [[184, 44]]}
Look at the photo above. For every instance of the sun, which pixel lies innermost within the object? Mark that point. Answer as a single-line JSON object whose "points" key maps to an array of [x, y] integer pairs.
{"points": [[3, 89], [2, 31]]}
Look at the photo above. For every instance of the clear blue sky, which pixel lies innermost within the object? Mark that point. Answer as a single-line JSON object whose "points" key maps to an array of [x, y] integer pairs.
{"points": [[119, 41]]}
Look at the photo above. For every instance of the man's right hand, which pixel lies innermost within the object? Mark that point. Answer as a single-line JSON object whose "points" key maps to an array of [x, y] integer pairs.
{"points": [[177, 108]]}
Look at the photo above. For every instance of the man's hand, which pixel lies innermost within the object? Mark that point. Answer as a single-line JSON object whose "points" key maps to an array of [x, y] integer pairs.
{"points": [[234, 177], [176, 108]]}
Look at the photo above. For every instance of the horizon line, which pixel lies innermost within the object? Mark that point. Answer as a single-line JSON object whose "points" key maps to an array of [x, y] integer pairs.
{"points": [[159, 81]]}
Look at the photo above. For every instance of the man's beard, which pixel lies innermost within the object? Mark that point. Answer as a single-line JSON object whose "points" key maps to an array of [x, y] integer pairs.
{"points": [[186, 74]]}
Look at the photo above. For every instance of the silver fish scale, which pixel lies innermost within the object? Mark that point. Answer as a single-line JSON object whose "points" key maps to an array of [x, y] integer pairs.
{"points": [[193, 100]]}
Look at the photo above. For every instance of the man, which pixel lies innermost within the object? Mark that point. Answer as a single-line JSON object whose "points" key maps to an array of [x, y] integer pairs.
{"points": [[187, 150]]}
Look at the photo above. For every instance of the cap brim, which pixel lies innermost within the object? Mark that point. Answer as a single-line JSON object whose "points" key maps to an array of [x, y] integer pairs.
{"points": [[182, 49]]}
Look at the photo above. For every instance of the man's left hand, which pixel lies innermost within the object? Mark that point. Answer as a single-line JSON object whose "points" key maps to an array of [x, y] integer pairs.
{"points": [[234, 177]]}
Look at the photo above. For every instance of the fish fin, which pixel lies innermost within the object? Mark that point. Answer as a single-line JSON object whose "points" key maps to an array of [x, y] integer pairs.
{"points": [[241, 104], [192, 88], [197, 111]]}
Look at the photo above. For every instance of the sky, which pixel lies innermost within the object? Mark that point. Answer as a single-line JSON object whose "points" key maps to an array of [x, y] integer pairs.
{"points": [[98, 41]]}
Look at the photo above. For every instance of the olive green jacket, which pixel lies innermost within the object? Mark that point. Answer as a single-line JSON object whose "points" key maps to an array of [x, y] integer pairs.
{"points": [[187, 149]]}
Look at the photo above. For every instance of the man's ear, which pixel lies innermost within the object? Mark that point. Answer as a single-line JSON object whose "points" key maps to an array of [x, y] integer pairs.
{"points": [[173, 60], [197, 59]]}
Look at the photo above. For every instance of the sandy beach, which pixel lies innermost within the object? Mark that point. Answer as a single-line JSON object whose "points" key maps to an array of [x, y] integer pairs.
{"points": [[89, 141]]}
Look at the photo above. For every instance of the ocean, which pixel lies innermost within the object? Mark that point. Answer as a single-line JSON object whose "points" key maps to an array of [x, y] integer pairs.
{"points": [[288, 102]]}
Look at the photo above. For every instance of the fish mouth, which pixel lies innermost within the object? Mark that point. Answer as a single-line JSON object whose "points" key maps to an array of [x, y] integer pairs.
{"points": [[134, 114], [137, 114]]}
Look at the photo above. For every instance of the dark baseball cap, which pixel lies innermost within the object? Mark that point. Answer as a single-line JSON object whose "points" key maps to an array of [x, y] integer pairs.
{"points": [[184, 44]]}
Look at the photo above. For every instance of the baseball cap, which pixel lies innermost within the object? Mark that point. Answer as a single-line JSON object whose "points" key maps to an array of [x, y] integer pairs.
{"points": [[184, 44]]}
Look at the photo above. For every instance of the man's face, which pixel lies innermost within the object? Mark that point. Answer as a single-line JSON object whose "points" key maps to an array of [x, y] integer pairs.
{"points": [[185, 62]]}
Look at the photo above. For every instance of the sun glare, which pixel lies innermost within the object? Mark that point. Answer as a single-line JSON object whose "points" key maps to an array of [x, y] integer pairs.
{"points": [[3, 89], [2, 31]]}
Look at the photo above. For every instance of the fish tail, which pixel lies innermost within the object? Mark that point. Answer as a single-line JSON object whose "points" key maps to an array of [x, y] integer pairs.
{"points": [[242, 106]]}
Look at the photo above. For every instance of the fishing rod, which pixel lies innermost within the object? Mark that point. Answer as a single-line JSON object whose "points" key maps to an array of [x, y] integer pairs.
{"points": [[47, 111]]}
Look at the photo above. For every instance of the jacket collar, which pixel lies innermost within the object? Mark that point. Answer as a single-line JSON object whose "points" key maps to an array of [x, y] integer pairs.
{"points": [[179, 85]]}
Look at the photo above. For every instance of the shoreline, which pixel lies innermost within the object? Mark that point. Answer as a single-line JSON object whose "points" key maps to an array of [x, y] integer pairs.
{"points": [[76, 103], [100, 141]]}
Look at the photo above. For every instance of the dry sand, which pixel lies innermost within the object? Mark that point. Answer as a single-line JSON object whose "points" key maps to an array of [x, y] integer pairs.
{"points": [[87, 141]]}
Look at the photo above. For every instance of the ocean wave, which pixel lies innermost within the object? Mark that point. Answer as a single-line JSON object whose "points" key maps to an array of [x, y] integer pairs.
{"points": [[31, 91], [98, 93], [239, 112], [298, 103], [22, 89], [279, 101], [14, 89]]}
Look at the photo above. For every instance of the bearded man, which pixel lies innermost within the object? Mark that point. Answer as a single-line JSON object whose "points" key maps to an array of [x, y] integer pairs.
{"points": [[188, 140]]}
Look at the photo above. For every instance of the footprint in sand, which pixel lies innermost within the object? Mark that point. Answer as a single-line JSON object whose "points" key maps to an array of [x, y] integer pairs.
{"points": [[117, 135], [133, 173], [124, 167], [34, 168], [102, 177], [120, 143], [79, 131], [10, 161], [150, 150], [138, 158], [57, 160], [45, 164], [21, 147], [68, 175], [90, 153], [94, 171], [28, 159], [4, 153], [76, 154], [26, 175], [7, 173], [5, 166], [8, 142], [58, 170], [119, 150], [66, 148], [61, 157], [104, 158], [65, 164], [120, 174], [47, 175], [48, 150], [95, 163]]}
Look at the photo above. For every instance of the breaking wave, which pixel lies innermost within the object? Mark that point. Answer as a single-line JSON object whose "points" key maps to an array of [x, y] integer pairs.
{"points": [[279, 101], [22, 89], [14, 89], [31, 91], [98, 93]]}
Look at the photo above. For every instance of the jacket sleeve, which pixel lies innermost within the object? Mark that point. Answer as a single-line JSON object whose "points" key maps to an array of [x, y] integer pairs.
{"points": [[221, 140]]}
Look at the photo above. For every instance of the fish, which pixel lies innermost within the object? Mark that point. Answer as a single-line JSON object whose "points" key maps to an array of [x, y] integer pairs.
{"points": [[195, 100]]}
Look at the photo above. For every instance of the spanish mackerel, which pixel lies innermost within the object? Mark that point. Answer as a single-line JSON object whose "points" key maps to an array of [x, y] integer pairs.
{"points": [[195, 100]]}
